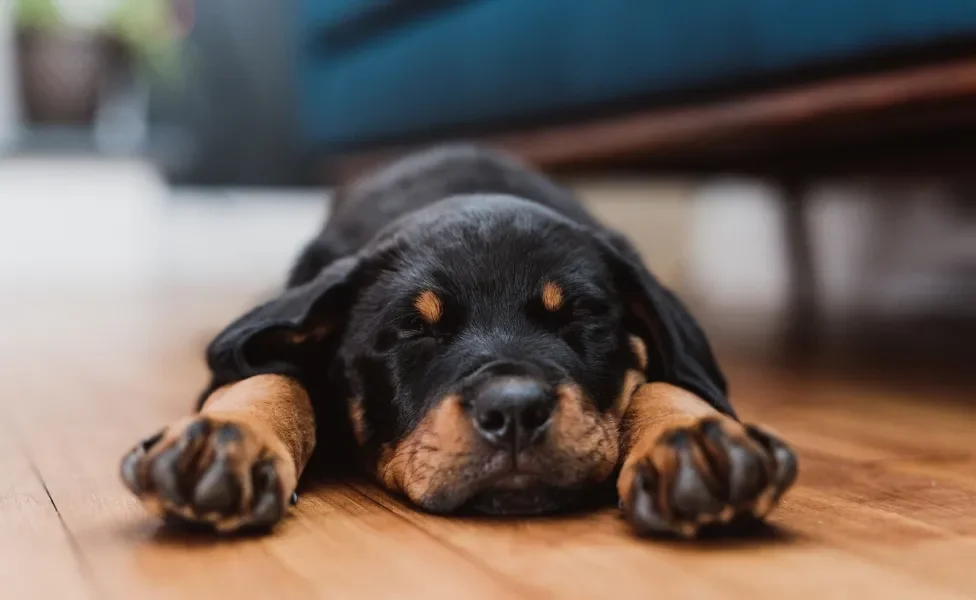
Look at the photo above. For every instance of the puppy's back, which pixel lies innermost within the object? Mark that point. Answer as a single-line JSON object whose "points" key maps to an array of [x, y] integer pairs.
{"points": [[418, 180]]}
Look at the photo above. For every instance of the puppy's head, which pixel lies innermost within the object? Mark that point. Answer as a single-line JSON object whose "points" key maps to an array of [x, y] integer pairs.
{"points": [[488, 349]]}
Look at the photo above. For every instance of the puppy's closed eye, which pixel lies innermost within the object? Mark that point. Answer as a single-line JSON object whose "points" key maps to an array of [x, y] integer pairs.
{"points": [[416, 328], [572, 310], [411, 329], [588, 307]]}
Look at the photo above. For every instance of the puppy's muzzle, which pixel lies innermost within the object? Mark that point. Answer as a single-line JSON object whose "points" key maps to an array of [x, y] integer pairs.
{"points": [[513, 412], [511, 406]]}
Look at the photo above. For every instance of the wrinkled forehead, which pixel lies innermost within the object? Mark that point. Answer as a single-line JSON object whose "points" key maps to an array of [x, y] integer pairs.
{"points": [[499, 251]]}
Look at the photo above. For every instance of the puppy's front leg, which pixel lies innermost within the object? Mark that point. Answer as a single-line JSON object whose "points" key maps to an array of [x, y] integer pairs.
{"points": [[235, 464], [686, 464]]}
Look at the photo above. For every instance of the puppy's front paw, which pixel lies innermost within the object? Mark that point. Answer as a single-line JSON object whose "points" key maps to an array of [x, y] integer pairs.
{"points": [[224, 473], [713, 471]]}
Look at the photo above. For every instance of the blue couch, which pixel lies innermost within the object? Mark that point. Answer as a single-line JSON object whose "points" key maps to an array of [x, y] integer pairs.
{"points": [[369, 73]]}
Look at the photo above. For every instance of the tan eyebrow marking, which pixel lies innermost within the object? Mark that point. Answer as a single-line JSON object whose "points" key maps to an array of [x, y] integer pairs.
{"points": [[429, 306], [552, 296]]}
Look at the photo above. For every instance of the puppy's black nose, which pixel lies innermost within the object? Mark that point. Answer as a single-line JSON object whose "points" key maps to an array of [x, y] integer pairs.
{"points": [[513, 412]]}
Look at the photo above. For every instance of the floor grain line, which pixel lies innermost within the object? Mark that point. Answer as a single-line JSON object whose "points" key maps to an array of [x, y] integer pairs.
{"points": [[463, 553], [83, 565], [38, 556]]}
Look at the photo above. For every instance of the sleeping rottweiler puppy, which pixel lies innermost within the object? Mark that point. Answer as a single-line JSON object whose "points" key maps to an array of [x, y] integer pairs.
{"points": [[464, 329]]}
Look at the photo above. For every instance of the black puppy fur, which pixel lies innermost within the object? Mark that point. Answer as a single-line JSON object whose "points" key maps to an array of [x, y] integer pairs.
{"points": [[485, 236]]}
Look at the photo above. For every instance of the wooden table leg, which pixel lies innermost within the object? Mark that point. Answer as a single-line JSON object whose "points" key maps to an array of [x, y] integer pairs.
{"points": [[803, 322]]}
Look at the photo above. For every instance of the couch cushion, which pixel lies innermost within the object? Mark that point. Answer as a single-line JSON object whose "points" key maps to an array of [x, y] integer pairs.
{"points": [[339, 24], [492, 61], [323, 14]]}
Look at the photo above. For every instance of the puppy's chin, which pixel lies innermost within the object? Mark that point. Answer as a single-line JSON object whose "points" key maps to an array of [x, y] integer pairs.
{"points": [[498, 489], [518, 495], [537, 500]]}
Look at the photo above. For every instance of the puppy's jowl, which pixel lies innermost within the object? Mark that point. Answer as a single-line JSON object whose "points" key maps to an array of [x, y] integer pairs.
{"points": [[468, 332]]}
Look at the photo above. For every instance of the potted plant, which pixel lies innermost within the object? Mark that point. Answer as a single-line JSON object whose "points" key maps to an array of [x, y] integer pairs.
{"points": [[68, 51]]}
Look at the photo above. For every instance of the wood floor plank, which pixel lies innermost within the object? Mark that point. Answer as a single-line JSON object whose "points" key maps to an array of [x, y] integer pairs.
{"points": [[350, 546], [77, 452], [906, 545], [569, 557], [37, 557], [595, 548]]}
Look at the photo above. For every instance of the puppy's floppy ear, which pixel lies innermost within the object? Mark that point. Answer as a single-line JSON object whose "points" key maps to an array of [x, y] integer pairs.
{"points": [[679, 352], [278, 336]]}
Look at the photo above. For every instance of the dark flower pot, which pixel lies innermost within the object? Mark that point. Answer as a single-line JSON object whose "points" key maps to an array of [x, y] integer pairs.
{"points": [[62, 74]]}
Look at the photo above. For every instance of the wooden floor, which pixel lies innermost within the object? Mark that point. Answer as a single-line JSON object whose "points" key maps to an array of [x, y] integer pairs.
{"points": [[885, 506]]}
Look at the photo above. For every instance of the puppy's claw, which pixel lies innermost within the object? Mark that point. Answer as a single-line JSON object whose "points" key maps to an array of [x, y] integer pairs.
{"points": [[218, 490]]}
